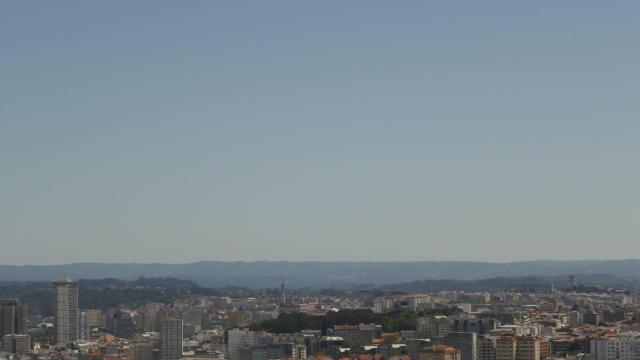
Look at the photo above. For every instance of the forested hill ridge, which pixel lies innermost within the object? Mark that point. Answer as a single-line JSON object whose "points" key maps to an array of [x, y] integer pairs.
{"points": [[593, 283], [262, 274], [104, 293], [111, 293]]}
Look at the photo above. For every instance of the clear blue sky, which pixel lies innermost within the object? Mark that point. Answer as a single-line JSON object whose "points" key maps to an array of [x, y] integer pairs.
{"points": [[329, 130]]}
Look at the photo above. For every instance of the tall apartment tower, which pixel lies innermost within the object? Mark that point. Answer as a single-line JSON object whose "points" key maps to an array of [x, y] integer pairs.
{"points": [[170, 339], [84, 331], [141, 351], [283, 294], [466, 342], [486, 348], [528, 348], [67, 315], [122, 324], [432, 327], [16, 344], [506, 348], [13, 317]]}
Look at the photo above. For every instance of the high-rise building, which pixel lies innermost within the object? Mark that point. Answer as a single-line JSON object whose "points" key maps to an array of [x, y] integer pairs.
{"points": [[466, 342], [439, 352], [356, 335], [271, 351], [141, 351], [470, 323], [518, 348], [545, 348], [170, 339], [486, 348], [283, 294], [432, 327], [575, 318], [13, 317], [382, 305], [162, 314], [299, 352], [122, 324], [506, 348], [624, 346], [528, 348], [66, 313], [84, 331], [95, 318], [414, 346], [235, 319], [193, 315], [419, 301], [145, 319], [238, 339], [591, 317], [16, 344]]}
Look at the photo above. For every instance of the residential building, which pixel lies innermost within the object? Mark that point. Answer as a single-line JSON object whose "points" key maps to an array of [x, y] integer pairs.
{"points": [[465, 342], [439, 352], [122, 324], [432, 327], [95, 318], [506, 348], [141, 351], [625, 346], [238, 339], [13, 317], [66, 313], [16, 343], [486, 348], [527, 348], [170, 339], [84, 329]]}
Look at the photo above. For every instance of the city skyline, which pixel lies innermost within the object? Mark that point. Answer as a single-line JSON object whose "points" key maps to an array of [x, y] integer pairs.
{"points": [[319, 180], [172, 133]]}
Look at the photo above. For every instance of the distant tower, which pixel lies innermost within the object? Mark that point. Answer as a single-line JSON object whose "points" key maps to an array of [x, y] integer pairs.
{"points": [[572, 279], [84, 331], [283, 294], [65, 298]]}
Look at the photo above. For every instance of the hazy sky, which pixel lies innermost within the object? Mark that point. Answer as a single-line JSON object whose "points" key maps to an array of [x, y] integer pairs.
{"points": [[328, 130]]}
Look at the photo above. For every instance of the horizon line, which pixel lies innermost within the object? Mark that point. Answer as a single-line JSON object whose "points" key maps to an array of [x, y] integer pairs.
{"points": [[319, 261]]}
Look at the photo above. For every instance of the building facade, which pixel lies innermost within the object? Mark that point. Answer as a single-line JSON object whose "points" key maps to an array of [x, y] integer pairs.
{"points": [[432, 327], [170, 339], [16, 344], [625, 346], [66, 313], [439, 352], [13, 317], [466, 342]]}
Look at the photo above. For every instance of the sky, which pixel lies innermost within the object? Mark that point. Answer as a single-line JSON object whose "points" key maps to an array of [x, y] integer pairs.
{"points": [[179, 131]]}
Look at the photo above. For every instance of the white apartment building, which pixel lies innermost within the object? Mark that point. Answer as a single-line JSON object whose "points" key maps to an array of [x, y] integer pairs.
{"points": [[625, 346]]}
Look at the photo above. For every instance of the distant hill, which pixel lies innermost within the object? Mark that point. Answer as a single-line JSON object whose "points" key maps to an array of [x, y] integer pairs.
{"points": [[104, 293], [594, 282], [261, 274]]}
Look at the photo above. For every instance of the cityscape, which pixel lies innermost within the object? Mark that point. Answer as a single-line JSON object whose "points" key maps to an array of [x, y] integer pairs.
{"points": [[567, 320], [319, 180]]}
